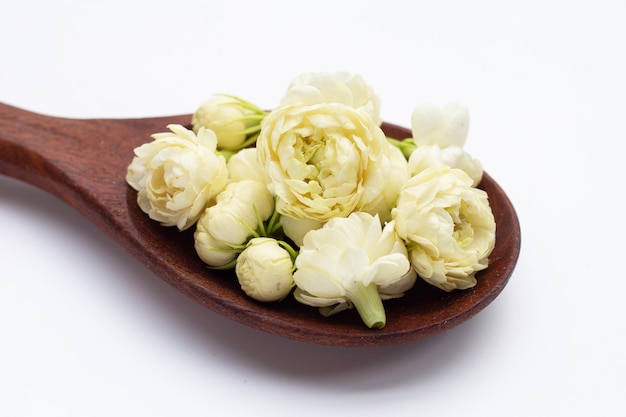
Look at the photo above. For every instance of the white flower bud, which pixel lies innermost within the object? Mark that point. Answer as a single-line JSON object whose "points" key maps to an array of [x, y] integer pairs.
{"points": [[213, 252], [265, 270], [227, 117], [238, 210], [231, 221]]}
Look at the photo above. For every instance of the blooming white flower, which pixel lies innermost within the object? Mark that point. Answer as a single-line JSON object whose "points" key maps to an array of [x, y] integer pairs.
{"points": [[177, 175], [265, 270], [244, 165], [334, 87], [231, 118], [448, 226], [454, 156], [352, 261], [442, 126], [232, 220], [325, 160]]}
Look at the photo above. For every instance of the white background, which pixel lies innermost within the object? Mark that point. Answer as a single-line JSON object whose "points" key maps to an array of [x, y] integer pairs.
{"points": [[88, 331]]}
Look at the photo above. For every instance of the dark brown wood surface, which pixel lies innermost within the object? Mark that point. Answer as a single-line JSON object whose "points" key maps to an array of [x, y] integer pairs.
{"points": [[83, 162]]}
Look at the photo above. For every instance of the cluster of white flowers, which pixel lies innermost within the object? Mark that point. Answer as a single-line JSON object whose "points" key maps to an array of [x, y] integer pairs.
{"points": [[312, 198]]}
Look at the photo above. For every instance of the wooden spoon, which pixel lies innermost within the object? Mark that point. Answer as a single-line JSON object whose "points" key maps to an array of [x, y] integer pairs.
{"points": [[83, 162]]}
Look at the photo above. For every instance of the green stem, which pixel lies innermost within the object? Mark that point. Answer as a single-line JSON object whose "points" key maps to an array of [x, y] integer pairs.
{"points": [[251, 232], [406, 146], [369, 305], [291, 251], [251, 129], [246, 104], [273, 224]]}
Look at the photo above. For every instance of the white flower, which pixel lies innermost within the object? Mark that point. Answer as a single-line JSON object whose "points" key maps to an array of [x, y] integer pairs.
{"points": [[398, 175], [448, 226], [439, 135], [352, 261], [338, 87], [296, 229], [177, 175], [454, 156], [265, 270], [244, 165], [445, 126], [238, 209], [210, 250], [231, 118], [232, 220], [325, 160]]}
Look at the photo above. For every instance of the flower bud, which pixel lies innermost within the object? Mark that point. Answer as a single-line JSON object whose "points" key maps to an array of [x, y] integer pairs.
{"points": [[265, 270], [230, 118], [224, 228], [212, 251], [238, 210]]}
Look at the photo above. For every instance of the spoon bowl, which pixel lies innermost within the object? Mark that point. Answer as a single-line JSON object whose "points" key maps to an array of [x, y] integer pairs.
{"points": [[83, 162]]}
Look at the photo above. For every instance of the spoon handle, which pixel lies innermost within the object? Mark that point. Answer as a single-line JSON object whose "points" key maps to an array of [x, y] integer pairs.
{"points": [[41, 150], [81, 161]]}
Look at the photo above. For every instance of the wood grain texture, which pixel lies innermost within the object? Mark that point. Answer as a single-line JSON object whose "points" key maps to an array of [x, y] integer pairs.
{"points": [[83, 162]]}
